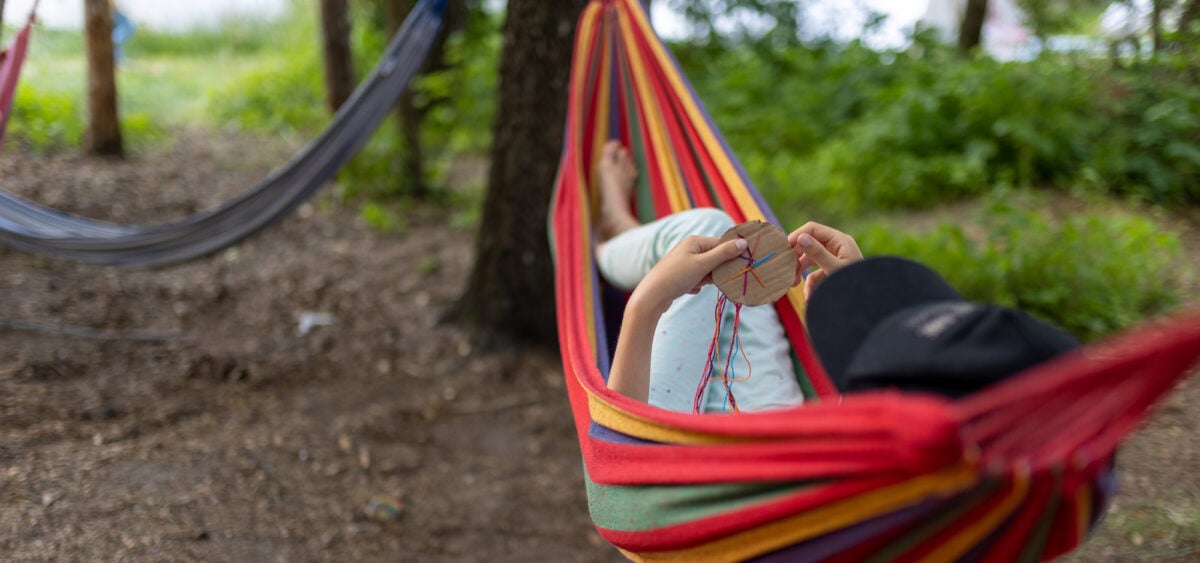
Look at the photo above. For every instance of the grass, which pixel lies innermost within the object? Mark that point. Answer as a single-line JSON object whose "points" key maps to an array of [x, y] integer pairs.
{"points": [[170, 91]]}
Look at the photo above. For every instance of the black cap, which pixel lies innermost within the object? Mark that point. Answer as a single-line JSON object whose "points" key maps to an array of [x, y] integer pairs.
{"points": [[890, 322]]}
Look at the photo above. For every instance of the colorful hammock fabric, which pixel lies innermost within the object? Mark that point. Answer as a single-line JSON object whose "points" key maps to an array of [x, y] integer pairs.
{"points": [[1013, 473], [31, 227]]}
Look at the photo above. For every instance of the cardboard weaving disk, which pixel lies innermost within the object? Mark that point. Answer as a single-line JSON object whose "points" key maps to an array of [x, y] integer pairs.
{"points": [[774, 267]]}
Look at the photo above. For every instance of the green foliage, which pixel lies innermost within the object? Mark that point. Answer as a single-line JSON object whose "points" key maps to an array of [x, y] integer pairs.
{"points": [[843, 130], [1149, 145], [46, 120], [382, 219], [1091, 273], [1048, 17], [461, 99], [789, 100], [284, 93]]}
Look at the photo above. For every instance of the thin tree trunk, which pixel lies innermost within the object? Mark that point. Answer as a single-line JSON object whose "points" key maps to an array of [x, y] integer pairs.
{"points": [[971, 31], [408, 115], [1156, 14], [510, 293], [339, 64], [104, 129], [411, 114]]}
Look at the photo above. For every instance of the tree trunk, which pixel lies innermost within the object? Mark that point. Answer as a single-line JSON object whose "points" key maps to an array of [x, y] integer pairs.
{"points": [[1190, 15], [510, 290], [971, 31], [339, 64], [408, 115], [1156, 16], [411, 114], [104, 129]]}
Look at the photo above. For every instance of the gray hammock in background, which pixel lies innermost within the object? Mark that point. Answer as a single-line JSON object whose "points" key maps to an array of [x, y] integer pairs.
{"points": [[31, 227]]}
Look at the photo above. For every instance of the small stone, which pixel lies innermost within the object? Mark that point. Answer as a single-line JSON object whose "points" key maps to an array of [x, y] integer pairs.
{"points": [[364, 457], [50, 498], [344, 443]]}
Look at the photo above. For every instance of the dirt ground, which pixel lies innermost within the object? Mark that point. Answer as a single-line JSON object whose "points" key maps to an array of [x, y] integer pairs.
{"points": [[187, 413]]}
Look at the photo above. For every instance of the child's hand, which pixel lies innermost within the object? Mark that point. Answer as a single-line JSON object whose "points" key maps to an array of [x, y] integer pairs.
{"points": [[825, 247], [685, 269]]}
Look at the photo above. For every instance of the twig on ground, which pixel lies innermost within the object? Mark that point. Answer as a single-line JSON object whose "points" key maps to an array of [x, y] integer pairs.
{"points": [[89, 332]]}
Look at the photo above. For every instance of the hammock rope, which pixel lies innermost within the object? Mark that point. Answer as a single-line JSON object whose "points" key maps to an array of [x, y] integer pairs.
{"points": [[1012, 472], [31, 227]]}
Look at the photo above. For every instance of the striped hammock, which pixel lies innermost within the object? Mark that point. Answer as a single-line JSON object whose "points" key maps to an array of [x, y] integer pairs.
{"points": [[1011, 473]]}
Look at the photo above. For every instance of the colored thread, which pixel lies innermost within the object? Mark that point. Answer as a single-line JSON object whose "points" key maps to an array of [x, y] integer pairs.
{"points": [[727, 369]]}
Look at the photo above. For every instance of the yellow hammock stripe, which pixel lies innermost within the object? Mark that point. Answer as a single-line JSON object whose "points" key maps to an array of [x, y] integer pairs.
{"points": [[736, 187], [609, 416]]}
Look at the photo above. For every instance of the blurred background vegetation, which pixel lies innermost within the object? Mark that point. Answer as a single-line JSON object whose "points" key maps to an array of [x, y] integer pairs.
{"points": [[1061, 184]]}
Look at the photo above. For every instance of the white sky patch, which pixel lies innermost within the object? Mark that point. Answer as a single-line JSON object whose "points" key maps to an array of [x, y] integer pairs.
{"points": [[840, 19], [166, 15]]}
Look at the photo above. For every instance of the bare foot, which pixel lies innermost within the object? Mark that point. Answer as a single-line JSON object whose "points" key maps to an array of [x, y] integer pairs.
{"points": [[617, 174]]}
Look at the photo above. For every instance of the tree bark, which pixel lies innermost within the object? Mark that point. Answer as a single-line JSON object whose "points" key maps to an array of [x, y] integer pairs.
{"points": [[971, 31], [104, 129], [509, 296], [339, 63]]}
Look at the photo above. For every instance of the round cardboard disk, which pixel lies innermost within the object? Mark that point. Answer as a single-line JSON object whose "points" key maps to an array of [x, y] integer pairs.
{"points": [[774, 267]]}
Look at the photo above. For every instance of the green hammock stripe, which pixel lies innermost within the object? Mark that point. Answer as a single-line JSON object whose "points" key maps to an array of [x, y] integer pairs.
{"points": [[645, 203], [1035, 545], [806, 387], [643, 508]]}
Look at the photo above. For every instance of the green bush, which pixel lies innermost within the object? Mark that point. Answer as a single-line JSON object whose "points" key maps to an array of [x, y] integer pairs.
{"points": [[843, 130], [46, 120], [283, 95], [1149, 148], [458, 103], [1091, 273], [285, 92]]}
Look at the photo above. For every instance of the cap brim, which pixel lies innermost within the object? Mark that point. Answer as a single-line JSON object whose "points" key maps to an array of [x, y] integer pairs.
{"points": [[852, 301]]}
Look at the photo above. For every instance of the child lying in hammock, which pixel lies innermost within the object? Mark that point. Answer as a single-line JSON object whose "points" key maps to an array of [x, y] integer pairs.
{"points": [[878, 323]]}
